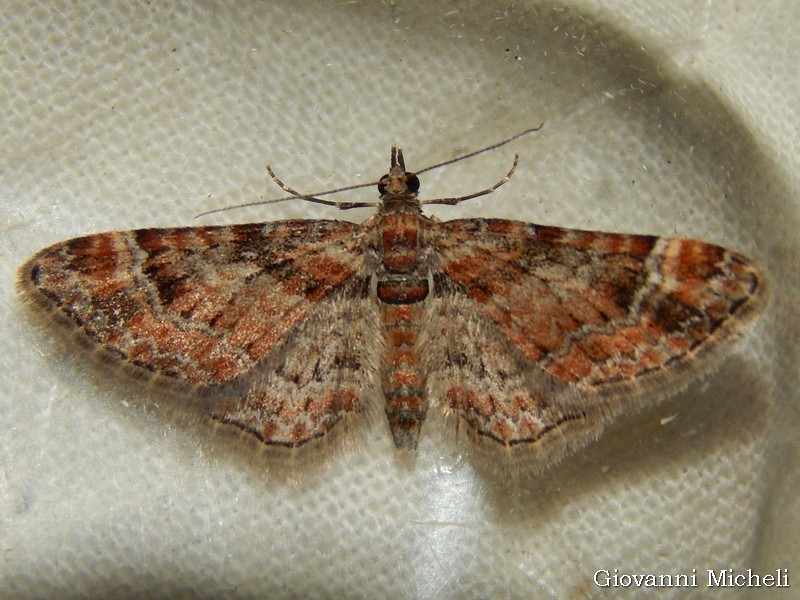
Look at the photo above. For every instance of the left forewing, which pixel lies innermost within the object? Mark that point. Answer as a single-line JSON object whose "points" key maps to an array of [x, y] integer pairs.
{"points": [[199, 305]]}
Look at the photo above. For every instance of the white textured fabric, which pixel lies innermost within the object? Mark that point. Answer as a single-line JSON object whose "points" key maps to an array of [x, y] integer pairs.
{"points": [[673, 118]]}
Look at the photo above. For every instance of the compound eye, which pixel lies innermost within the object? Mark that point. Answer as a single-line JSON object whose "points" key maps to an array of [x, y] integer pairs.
{"points": [[412, 182], [382, 184]]}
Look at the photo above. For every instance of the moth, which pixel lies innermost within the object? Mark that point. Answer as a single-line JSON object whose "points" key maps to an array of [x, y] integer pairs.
{"points": [[534, 337]]}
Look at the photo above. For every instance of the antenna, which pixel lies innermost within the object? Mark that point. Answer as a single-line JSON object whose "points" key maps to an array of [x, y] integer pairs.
{"points": [[347, 205]]}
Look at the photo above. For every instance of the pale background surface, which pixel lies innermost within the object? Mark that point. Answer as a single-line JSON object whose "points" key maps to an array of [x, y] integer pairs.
{"points": [[673, 118]]}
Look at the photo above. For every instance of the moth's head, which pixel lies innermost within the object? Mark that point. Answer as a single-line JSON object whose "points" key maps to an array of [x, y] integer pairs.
{"points": [[398, 182]]}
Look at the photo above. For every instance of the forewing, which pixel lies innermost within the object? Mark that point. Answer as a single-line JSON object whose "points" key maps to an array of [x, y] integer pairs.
{"points": [[580, 326], [202, 305]]}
